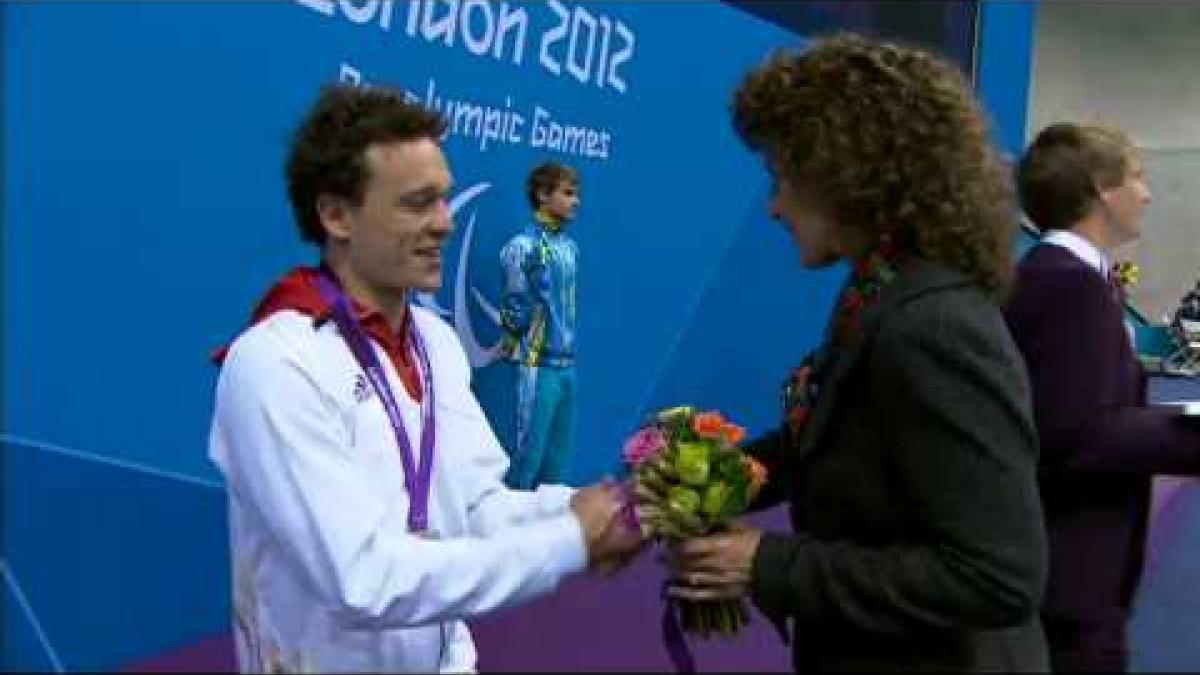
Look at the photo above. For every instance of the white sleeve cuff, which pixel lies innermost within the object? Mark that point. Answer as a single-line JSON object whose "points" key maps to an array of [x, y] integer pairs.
{"points": [[553, 500], [564, 534]]}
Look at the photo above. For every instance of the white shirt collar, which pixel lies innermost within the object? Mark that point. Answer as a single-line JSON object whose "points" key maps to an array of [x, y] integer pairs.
{"points": [[1083, 249]]}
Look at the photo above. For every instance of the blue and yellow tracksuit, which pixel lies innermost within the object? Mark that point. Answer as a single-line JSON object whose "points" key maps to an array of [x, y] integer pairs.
{"points": [[539, 319]]}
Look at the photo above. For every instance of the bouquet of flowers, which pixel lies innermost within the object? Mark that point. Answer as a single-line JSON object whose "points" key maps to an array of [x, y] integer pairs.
{"points": [[689, 478]]}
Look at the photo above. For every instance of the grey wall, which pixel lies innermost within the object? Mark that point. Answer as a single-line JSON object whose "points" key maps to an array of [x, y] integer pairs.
{"points": [[1135, 64]]}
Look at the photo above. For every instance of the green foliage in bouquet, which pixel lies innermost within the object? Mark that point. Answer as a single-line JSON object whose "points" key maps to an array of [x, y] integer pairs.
{"points": [[690, 478]]}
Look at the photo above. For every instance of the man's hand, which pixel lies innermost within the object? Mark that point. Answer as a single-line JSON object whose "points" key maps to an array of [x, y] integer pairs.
{"points": [[611, 543]]}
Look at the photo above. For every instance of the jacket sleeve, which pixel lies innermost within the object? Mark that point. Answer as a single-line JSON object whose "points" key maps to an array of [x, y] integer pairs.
{"points": [[283, 448], [516, 306], [1082, 422], [492, 505], [962, 450]]}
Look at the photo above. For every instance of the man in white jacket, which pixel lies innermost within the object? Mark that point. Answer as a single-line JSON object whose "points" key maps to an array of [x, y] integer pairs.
{"points": [[368, 517]]}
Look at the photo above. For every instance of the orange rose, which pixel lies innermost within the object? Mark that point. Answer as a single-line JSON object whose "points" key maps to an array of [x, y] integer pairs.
{"points": [[758, 476], [708, 425], [733, 433]]}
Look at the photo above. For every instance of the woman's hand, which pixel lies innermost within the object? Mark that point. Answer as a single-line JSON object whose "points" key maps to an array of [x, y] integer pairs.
{"points": [[715, 567]]}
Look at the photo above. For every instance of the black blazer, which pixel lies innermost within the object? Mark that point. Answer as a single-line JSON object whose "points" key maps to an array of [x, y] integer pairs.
{"points": [[919, 542]]}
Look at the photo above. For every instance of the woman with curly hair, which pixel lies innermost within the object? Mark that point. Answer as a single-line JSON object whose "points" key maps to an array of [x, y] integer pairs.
{"points": [[907, 450]]}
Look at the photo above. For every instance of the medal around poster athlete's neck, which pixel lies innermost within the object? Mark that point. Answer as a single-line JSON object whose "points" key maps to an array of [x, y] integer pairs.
{"points": [[417, 477]]}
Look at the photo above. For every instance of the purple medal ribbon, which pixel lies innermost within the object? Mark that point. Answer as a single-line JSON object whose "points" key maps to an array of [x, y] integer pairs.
{"points": [[416, 477]]}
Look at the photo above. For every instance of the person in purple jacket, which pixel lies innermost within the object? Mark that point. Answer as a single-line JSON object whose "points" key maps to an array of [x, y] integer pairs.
{"points": [[1101, 446]]}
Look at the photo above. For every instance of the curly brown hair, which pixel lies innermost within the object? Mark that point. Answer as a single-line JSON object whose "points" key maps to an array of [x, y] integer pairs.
{"points": [[328, 152], [893, 140], [1065, 168]]}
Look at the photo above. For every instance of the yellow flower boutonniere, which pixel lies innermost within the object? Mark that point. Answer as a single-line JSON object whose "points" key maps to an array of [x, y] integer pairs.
{"points": [[1127, 274]]}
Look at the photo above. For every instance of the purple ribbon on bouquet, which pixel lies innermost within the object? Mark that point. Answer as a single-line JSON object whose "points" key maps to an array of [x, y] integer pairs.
{"points": [[673, 638], [629, 514]]}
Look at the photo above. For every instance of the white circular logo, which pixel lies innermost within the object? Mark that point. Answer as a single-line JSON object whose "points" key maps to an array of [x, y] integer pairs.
{"points": [[478, 355]]}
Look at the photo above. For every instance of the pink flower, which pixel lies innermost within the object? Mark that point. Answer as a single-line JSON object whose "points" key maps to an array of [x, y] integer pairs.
{"points": [[644, 445]]}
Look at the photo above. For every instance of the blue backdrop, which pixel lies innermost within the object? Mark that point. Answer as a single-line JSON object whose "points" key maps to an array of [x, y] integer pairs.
{"points": [[145, 214]]}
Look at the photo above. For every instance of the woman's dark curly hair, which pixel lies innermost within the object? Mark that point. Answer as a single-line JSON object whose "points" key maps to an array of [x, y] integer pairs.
{"points": [[893, 141]]}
